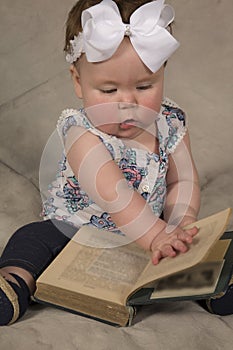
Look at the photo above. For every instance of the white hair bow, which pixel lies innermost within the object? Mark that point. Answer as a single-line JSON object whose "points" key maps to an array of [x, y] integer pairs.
{"points": [[103, 31]]}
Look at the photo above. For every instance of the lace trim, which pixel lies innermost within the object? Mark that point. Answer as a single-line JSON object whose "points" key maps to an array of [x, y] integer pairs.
{"points": [[168, 102], [66, 113], [179, 139]]}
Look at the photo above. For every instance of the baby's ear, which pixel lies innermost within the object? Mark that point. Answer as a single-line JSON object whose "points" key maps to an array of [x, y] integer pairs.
{"points": [[76, 80]]}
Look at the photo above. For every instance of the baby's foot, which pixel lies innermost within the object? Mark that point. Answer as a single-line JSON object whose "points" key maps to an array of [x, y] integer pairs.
{"points": [[14, 299], [222, 304]]}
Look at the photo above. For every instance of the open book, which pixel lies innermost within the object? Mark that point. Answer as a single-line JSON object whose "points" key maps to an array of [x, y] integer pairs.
{"points": [[107, 282]]}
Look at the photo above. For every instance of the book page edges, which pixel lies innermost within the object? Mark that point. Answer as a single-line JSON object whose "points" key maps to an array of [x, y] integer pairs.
{"points": [[82, 304]]}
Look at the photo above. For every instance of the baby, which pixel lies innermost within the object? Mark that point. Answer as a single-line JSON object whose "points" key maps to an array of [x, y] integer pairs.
{"points": [[127, 165]]}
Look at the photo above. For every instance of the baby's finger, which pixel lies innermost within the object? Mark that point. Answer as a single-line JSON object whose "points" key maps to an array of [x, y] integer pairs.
{"points": [[156, 256], [192, 231], [187, 235], [167, 250], [179, 246]]}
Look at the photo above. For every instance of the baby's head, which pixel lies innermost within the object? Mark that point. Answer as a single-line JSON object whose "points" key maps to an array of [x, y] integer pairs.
{"points": [[117, 50]]}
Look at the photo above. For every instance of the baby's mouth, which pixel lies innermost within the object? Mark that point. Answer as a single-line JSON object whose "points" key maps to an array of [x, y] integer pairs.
{"points": [[129, 123]]}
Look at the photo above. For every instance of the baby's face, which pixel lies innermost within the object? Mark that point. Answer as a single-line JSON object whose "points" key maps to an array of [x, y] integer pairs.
{"points": [[125, 92]]}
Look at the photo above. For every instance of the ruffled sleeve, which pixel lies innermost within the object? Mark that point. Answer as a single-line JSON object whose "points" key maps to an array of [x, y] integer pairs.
{"points": [[69, 118], [171, 126]]}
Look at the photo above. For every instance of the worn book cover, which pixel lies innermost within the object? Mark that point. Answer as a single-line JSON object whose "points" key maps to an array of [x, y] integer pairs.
{"points": [[100, 275]]}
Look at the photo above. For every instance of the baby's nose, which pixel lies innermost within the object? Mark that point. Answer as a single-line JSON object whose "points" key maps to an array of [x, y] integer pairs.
{"points": [[128, 97], [127, 111], [126, 105]]}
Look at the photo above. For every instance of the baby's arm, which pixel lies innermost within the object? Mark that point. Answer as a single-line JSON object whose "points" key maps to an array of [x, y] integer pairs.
{"points": [[183, 191], [182, 203], [102, 179]]}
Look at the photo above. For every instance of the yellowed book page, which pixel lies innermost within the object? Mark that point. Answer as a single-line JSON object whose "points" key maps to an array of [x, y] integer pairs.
{"points": [[199, 280], [219, 250], [105, 273], [210, 230]]}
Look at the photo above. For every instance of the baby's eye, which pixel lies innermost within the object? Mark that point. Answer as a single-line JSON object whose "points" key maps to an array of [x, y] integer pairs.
{"points": [[144, 87], [108, 91]]}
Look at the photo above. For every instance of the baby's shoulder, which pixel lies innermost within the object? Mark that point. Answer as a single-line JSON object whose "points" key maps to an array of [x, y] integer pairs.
{"points": [[71, 117]]}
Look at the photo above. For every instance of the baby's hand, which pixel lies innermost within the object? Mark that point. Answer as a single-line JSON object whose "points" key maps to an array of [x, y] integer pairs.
{"points": [[169, 244]]}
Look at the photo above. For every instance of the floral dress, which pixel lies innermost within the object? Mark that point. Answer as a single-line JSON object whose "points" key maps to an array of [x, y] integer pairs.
{"points": [[144, 171]]}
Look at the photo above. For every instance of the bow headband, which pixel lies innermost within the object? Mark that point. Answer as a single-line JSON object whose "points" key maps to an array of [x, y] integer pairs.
{"points": [[103, 31]]}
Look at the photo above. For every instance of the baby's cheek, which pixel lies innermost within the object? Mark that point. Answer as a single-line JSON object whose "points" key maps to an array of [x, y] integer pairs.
{"points": [[153, 102]]}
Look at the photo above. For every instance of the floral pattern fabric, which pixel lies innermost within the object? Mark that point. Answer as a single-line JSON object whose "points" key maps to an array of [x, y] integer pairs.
{"points": [[144, 172]]}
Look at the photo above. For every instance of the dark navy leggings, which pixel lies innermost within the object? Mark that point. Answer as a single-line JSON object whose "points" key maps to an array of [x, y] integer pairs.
{"points": [[34, 246]]}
